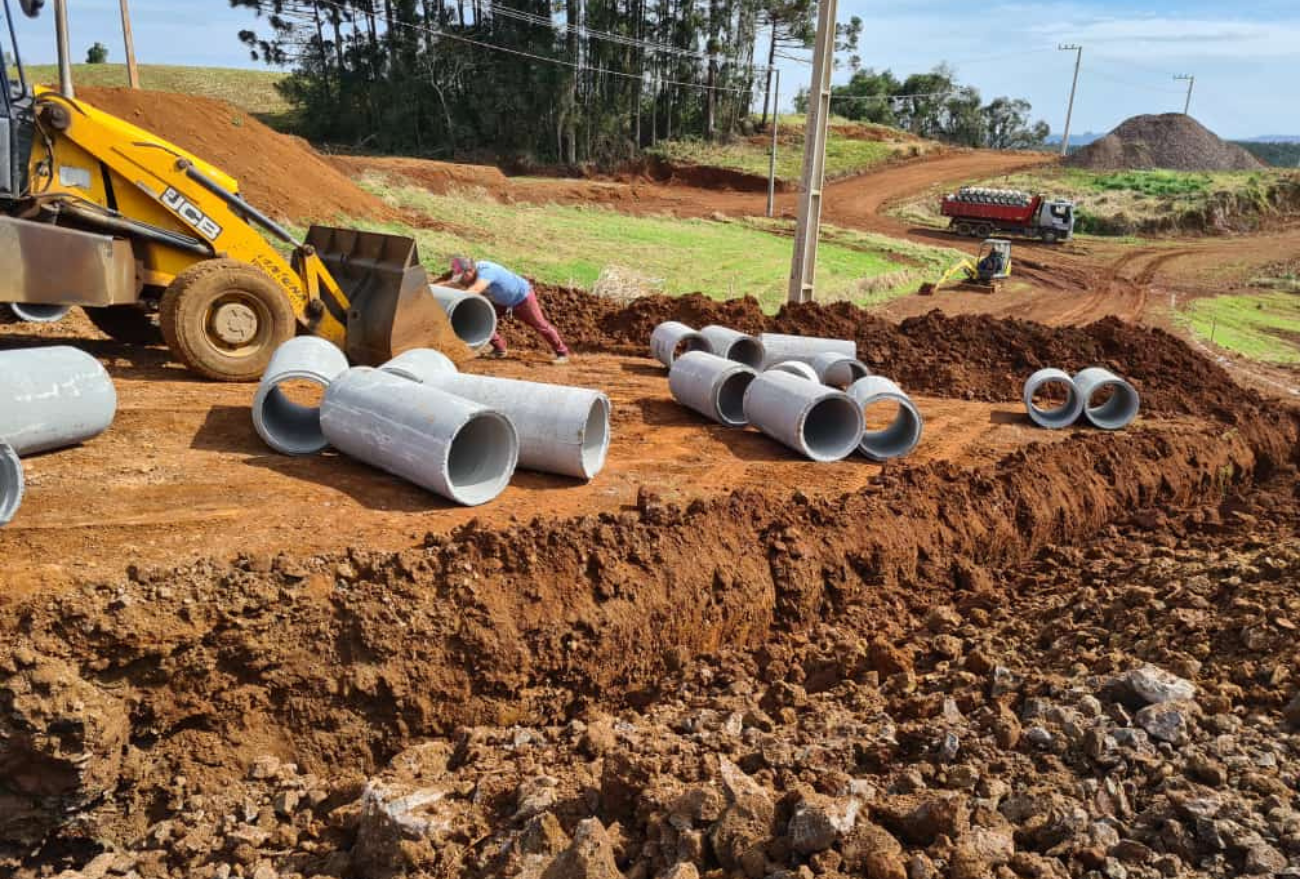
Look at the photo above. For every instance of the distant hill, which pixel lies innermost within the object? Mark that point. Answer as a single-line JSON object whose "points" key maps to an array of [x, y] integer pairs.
{"points": [[1278, 153], [1076, 140], [1272, 138]]}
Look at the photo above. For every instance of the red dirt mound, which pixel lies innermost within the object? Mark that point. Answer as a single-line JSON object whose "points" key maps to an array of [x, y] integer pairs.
{"points": [[1170, 140], [281, 175]]}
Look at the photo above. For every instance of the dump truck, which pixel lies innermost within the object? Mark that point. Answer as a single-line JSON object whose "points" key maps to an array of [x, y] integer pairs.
{"points": [[157, 244], [979, 212]]}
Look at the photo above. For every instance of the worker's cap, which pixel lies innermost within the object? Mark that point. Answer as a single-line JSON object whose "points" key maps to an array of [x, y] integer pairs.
{"points": [[460, 267]]}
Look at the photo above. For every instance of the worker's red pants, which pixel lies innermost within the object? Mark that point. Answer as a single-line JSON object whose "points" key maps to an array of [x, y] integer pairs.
{"points": [[530, 312]]}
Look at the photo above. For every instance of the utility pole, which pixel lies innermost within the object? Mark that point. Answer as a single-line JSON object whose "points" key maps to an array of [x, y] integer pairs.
{"points": [[1069, 112], [803, 267], [771, 164], [132, 74], [1191, 81]]}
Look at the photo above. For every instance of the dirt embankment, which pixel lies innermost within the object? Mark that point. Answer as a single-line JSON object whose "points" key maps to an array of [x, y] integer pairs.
{"points": [[1172, 141]]}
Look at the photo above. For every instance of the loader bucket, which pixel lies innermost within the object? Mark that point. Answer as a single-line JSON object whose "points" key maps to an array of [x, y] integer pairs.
{"points": [[391, 309]]}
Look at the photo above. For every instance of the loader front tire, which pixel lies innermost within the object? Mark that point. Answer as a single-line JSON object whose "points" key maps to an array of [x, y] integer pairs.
{"points": [[224, 319]]}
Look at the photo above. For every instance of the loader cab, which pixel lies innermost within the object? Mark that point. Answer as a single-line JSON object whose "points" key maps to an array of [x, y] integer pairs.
{"points": [[17, 113]]}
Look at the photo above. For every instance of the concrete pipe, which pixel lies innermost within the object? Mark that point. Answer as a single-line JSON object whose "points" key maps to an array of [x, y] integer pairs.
{"points": [[735, 345], [53, 397], [819, 422], [672, 339], [562, 430], [420, 363], [712, 386], [1056, 417], [35, 313], [780, 347], [473, 318], [1118, 409], [796, 367], [903, 432], [452, 447], [838, 370], [11, 484], [288, 426]]}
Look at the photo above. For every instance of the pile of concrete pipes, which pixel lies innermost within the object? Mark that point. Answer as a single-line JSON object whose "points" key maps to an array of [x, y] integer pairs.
{"points": [[1100, 397], [50, 398], [809, 394], [473, 318], [417, 417]]}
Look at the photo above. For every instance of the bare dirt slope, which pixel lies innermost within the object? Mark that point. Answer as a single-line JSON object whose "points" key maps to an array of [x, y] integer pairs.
{"points": [[1172, 141]]}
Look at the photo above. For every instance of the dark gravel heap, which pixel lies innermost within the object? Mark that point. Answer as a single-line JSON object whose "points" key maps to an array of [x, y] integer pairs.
{"points": [[1170, 140]]}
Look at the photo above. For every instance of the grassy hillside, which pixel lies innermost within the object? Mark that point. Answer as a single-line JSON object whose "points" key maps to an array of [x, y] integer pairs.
{"points": [[1263, 326], [252, 90]]}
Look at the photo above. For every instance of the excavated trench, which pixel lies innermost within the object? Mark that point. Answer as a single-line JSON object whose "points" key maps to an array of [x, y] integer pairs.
{"points": [[337, 662]]}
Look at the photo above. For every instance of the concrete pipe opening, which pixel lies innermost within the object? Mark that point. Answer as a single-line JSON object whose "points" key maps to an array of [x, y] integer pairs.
{"points": [[595, 438], [796, 367], [35, 313], [11, 484], [1108, 401], [713, 386], [892, 421], [730, 401], [286, 407], [1051, 399], [481, 458], [832, 429], [838, 370], [672, 339], [473, 319], [735, 345]]}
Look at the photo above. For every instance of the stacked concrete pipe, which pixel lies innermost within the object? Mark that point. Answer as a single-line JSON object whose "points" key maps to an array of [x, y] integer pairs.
{"points": [[50, 398], [838, 370], [288, 427], [902, 434], [671, 339], [473, 318], [712, 386], [562, 430], [821, 423], [450, 446], [735, 345], [781, 347], [796, 367]]}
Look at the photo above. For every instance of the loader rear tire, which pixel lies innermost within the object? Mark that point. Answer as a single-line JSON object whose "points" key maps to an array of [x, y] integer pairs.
{"points": [[224, 319], [126, 323]]}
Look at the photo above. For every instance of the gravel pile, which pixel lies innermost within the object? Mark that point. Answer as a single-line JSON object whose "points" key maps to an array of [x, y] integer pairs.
{"points": [[1170, 141]]}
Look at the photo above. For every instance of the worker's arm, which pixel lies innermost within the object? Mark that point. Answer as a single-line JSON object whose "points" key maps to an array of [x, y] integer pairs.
{"points": [[480, 286]]}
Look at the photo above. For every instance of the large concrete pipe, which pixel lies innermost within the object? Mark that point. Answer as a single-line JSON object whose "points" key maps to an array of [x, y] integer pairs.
{"points": [[735, 345], [838, 370], [457, 449], [819, 422], [711, 385], [53, 397], [288, 426], [473, 318], [11, 483], [796, 367], [561, 429], [781, 347], [1118, 409], [1053, 417], [420, 363], [37, 313], [672, 339], [903, 432]]}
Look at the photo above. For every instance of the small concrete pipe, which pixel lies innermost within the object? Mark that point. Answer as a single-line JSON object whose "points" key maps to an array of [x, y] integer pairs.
{"points": [[735, 345], [36, 313], [1056, 417], [562, 430], [672, 339], [420, 363], [11, 484], [1118, 410], [902, 434], [796, 367], [819, 422], [473, 318], [53, 397], [712, 386], [288, 427], [780, 347], [838, 370], [452, 447]]}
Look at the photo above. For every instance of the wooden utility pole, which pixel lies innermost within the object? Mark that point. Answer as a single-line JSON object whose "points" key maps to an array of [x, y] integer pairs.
{"points": [[132, 74], [803, 267]]}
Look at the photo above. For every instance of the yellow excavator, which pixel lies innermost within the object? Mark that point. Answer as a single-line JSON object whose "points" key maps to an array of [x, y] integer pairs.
{"points": [[98, 213], [991, 265]]}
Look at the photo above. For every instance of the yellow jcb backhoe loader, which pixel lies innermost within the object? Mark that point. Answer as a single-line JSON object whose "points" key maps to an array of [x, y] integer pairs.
{"points": [[98, 213]]}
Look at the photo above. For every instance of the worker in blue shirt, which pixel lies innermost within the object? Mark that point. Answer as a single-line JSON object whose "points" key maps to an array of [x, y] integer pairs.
{"points": [[510, 295]]}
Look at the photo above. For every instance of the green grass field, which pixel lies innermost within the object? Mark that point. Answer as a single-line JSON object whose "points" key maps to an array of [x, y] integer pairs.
{"points": [[1264, 326], [578, 246], [252, 90]]}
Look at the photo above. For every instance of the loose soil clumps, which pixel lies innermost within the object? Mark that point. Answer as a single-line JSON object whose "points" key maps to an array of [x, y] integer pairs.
{"points": [[1171, 141]]}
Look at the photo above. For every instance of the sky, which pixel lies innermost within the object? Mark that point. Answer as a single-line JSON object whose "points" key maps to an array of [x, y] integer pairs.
{"points": [[1245, 57]]}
